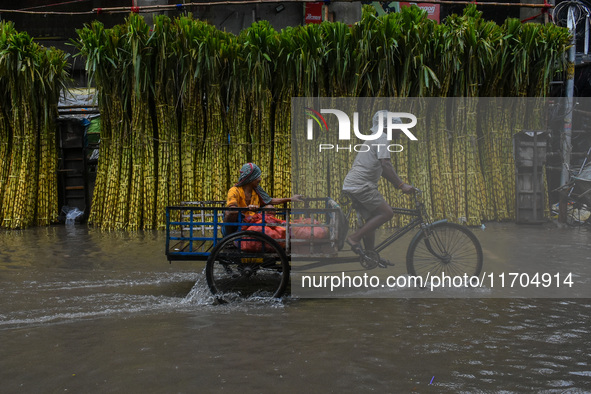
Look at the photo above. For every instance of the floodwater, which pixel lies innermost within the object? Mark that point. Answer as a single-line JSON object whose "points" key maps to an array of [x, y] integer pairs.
{"points": [[85, 311]]}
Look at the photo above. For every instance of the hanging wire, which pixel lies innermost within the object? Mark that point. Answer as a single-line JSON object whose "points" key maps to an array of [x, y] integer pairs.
{"points": [[580, 14], [581, 10], [52, 5]]}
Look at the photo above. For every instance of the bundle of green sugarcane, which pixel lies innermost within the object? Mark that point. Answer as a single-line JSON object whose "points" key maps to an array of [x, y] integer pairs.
{"points": [[103, 50], [31, 78], [469, 35], [283, 90], [4, 146], [166, 72], [141, 203], [50, 83], [238, 115], [258, 46], [189, 49], [6, 31], [220, 48], [307, 67], [120, 61]]}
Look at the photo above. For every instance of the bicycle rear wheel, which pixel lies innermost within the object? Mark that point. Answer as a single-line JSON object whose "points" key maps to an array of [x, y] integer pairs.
{"points": [[444, 248], [262, 271]]}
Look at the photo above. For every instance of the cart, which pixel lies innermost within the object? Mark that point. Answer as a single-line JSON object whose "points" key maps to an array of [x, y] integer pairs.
{"points": [[254, 260]]}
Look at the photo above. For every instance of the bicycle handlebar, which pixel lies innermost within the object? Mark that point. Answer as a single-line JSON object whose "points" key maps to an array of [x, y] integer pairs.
{"points": [[416, 194]]}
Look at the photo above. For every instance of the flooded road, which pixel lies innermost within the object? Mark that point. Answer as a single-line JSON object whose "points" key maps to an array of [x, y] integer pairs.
{"points": [[93, 312]]}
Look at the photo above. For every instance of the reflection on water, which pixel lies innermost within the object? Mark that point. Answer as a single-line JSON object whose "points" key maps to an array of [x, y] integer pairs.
{"points": [[86, 311]]}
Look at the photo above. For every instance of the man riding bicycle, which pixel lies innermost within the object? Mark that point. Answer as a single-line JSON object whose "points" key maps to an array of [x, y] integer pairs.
{"points": [[361, 185]]}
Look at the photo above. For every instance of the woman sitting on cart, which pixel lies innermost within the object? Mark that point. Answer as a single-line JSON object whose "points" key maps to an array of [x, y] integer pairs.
{"points": [[247, 193]]}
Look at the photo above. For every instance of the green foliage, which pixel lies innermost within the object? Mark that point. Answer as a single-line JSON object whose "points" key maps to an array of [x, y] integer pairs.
{"points": [[31, 79]]}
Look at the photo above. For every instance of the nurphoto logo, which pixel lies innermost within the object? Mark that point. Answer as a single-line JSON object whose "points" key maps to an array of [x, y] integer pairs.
{"points": [[389, 122]]}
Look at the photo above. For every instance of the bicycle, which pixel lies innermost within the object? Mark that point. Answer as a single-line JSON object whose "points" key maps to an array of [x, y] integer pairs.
{"points": [[577, 197], [251, 262], [437, 247]]}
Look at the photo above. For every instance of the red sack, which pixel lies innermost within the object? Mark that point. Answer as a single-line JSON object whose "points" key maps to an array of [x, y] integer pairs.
{"points": [[305, 232], [258, 218], [275, 232]]}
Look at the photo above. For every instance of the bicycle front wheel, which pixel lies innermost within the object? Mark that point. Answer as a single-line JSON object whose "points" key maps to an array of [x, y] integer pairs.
{"points": [[444, 248]]}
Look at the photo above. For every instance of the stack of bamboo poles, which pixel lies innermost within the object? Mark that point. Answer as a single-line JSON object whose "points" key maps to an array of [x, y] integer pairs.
{"points": [[31, 78], [184, 105]]}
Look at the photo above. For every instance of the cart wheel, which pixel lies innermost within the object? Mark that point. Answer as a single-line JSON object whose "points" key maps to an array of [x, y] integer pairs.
{"points": [[247, 263], [444, 248]]}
